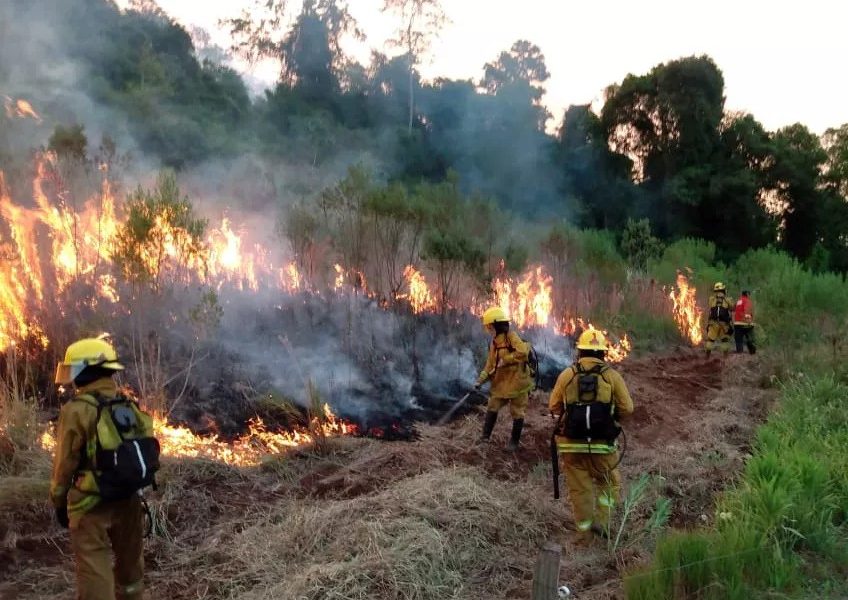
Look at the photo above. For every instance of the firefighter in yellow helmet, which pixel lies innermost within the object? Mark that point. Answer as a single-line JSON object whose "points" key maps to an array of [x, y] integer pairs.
{"points": [[507, 370], [719, 320], [95, 525], [589, 398]]}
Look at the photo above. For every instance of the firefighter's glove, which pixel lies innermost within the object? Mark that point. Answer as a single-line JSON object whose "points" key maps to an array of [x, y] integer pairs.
{"points": [[477, 386], [62, 516]]}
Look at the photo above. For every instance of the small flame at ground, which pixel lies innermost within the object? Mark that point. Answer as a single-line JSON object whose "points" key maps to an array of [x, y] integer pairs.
{"points": [[685, 309]]}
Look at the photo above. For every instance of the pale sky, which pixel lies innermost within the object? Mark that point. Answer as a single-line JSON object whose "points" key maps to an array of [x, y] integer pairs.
{"points": [[782, 61]]}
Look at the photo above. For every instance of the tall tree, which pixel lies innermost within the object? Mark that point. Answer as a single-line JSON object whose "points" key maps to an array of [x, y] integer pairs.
{"points": [[795, 176], [420, 21], [309, 51], [667, 122]]}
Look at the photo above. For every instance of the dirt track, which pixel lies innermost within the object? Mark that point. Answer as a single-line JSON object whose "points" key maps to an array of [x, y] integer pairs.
{"points": [[692, 426]]}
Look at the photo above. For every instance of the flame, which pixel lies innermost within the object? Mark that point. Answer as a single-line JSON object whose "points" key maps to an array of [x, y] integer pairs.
{"points": [[685, 309], [528, 301], [353, 277], [616, 351], [292, 279], [20, 109], [247, 450], [228, 262], [77, 244], [419, 296]]}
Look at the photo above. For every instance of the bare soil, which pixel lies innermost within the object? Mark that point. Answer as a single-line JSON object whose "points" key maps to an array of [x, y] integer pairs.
{"points": [[693, 424]]}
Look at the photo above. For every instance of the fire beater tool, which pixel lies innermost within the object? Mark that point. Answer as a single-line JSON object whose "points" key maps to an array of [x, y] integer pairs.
{"points": [[447, 416]]}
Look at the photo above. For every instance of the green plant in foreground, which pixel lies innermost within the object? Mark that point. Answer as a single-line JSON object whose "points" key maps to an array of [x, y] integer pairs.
{"points": [[785, 517]]}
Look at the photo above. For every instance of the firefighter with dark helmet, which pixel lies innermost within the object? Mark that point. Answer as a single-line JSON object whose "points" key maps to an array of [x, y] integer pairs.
{"points": [[103, 521], [508, 372], [589, 398]]}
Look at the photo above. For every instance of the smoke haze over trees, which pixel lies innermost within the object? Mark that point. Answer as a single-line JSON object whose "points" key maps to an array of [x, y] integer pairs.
{"points": [[662, 147]]}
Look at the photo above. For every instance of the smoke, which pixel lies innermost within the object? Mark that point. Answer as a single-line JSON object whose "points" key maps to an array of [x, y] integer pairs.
{"points": [[373, 365]]}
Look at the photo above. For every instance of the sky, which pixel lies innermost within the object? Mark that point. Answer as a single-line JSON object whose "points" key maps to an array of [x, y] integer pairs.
{"points": [[782, 61]]}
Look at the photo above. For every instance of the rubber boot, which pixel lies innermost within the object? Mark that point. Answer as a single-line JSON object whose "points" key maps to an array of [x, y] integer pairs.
{"points": [[488, 425], [517, 426]]}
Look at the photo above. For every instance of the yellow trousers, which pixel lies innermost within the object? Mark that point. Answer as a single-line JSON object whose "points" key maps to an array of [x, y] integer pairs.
{"points": [[517, 406], [718, 337], [110, 527], [593, 487]]}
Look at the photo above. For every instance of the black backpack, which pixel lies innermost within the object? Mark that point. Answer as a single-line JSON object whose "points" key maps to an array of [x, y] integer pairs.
{"points": [[589, 419], [721, 311], [125, 455]]}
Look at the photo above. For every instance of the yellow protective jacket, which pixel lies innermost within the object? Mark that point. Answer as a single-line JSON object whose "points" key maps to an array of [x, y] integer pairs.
{"points": [[77, 428], [611, 388], [506, 367]]}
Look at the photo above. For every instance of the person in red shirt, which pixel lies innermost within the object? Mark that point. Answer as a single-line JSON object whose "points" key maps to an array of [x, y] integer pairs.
{"points": [[743, 324]]}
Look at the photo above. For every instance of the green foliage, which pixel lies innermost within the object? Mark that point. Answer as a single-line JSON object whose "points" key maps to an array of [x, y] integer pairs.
{"points": [[639, 244], [792, 304], [792, 500], [161, 235], [69, 143]]}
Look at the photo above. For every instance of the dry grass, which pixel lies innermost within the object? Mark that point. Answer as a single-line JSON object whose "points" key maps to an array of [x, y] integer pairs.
{"points": [[448, 533]]}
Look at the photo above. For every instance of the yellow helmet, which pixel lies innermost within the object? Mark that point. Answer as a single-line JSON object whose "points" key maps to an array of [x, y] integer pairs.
{"points": [[719, 287], [592, 339], [88, 352], [496, 313]]}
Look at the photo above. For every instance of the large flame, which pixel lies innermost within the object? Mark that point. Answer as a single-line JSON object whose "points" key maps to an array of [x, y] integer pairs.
{"points": [[528, 300], [419, 296], [685, 309], [245, 451]]}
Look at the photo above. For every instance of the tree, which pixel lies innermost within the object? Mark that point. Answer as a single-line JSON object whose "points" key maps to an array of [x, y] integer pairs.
{"points": [[795, 176], [592, 174], [668, 122], [161, 240], [639, 244], [310, 52], [420, 21], [835, 142]]}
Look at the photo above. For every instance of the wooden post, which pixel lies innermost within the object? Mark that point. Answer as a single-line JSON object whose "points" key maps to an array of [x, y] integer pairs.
{"points": [[546, 573]]}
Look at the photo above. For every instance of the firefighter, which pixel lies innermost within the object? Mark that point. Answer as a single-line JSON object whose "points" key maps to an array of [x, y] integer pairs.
{"points": [[743, 324], [508, 372], [719, 322], [587, 392], [95, 525]]}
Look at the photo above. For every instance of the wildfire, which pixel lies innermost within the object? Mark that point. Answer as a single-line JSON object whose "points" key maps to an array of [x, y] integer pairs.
{"points": [[685, 309], [247, 450], [528, 301], [419, 296], [20, 109], [228, 262]]}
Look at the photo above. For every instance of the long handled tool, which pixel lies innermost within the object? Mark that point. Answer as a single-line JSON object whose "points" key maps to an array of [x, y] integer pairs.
{"points": [[447, 416]]}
